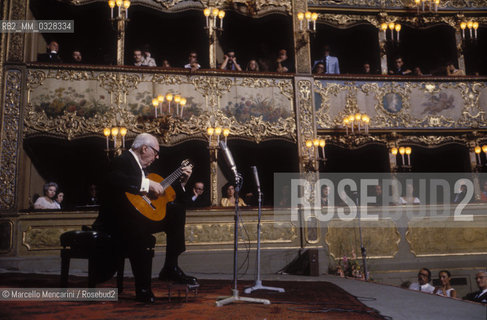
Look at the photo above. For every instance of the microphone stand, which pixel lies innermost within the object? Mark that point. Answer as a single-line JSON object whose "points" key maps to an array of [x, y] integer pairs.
{"points": [[235, 297], [258, 283]]}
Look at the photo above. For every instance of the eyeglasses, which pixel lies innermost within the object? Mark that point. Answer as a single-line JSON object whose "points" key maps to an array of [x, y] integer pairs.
{"points": [[156, 152]]}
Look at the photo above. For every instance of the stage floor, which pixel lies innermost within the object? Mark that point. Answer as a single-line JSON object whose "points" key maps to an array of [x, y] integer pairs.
{"points": [[305, 298]]}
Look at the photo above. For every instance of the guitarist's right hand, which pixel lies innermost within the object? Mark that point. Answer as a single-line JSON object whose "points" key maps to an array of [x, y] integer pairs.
{"points": [[155, 188]]}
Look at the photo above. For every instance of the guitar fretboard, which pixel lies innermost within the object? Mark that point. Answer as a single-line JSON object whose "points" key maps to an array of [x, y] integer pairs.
{"points": [[171, 178]]}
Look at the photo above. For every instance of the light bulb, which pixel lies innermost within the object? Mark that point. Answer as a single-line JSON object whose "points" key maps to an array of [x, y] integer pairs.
{"points": [[322, 143], [169, 97], [210, 131], [383, 26], [111, 4], [126, 4], [106, 132], [207, 12], [215, 12], [314, 16], [394, 151], [183, 102], [226, 132], [123, 131], [477, 149], [309, 143], [402, 150], [218, 131], [398, 27], [391, 25], [177, 98], [221, 14], [408, 150], [300, 16], [160, 98], [307, 15], [114, 131], [155, 102]]}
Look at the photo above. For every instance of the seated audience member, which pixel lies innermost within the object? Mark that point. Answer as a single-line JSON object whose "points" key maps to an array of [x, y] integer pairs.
{"points": [[329, 62], [325, 191], [366, 69], [458, 197], [230, 62], [319, 68], [92, 196], [378, 195], [409, 197], [285, 197], [228, 197], [59, 199], [481, 294], [424, 277], [147, 60], [197, 197], [445, 289], [48, 200], [138, 58], [253, 65], [417, 72], [166, 64], [283, 63], [52, 54], [452, 71], [76, 56], [192, 62], [483, 194], [398, 68]]}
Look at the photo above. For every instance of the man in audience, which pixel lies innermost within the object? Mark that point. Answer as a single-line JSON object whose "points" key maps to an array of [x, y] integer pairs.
{"points": [[424, 277], [481, 295], [330, 62], [283, 63], [319, 68], [230, 62], [138, 58], [366, 68], [52, 54], [192, 62], [399, 68], [76, 56], [198, 198]]}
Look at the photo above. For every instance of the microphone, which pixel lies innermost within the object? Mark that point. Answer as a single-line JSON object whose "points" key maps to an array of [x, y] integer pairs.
{"points": [[229, 159], [256, 177]]}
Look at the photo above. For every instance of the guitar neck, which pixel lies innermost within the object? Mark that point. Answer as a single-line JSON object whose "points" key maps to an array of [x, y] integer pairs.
{"points": [[171, 178]]}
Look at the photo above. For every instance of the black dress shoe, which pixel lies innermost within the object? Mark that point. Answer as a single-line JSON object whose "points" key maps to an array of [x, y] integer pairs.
{"points": [[177, 275], [145, 296]]}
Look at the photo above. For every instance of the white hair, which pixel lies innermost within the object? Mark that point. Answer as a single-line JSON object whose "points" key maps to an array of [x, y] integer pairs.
{"points": [[143, 139]]}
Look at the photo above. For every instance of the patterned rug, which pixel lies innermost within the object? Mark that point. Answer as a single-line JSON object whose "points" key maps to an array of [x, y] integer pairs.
{"points": [[302, 300]]}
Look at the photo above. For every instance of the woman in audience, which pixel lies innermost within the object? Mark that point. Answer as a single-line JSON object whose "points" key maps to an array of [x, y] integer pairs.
{"points": [[445, 289], [252, 66], [409, 197], [59, 199], [228, 199], [48, 201]]}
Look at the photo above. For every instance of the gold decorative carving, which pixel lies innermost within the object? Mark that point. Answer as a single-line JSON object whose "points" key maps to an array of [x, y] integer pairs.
{"points": [[323, 120], [394, 4], [36, 238], [385, 118], [118, 84], [472, 114], [18, 11], [429, 237], [306, 123], [212, 88], [348, 19], [10, 138], [168, 79], [381, 238]]}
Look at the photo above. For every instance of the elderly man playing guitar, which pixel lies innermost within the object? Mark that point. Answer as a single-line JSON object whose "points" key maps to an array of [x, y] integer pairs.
{"points": [[135, 206]]}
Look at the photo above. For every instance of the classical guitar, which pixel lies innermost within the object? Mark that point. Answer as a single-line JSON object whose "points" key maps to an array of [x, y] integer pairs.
{"points": [[155, 209]]}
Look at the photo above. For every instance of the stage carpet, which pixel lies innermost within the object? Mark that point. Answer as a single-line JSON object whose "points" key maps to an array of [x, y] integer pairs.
{"points": [[302, 300]]}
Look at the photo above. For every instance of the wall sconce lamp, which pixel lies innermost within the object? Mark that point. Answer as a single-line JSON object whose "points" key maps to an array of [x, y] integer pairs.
{"points": [[169, 97], [310, 17], [114, 132], [406, 165]]}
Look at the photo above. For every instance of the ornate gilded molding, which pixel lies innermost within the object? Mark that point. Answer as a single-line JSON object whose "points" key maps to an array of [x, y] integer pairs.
{"points": [[71, 123], [347, 20], [381, 238], [305, 117], [396, 111], [15, 47], [10, 138], [396, 4], [430, 238], [323, 119]]}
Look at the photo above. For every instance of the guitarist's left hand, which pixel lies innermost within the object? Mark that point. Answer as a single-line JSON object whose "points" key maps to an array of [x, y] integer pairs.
{"points": [[186, 174]]}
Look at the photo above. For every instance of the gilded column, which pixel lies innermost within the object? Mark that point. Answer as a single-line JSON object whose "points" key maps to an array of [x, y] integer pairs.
{"points": [[461, 58], [121, 41], [10, 137], [17, 10], [302, 51]]}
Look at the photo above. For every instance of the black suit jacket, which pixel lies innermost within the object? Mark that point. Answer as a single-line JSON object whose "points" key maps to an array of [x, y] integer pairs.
{"points": [[473, 297], [116, 213], [49, 57], [199, 202]]}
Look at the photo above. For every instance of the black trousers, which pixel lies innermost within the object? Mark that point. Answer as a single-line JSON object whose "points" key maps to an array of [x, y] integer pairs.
{"points": [[134, 233]]}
